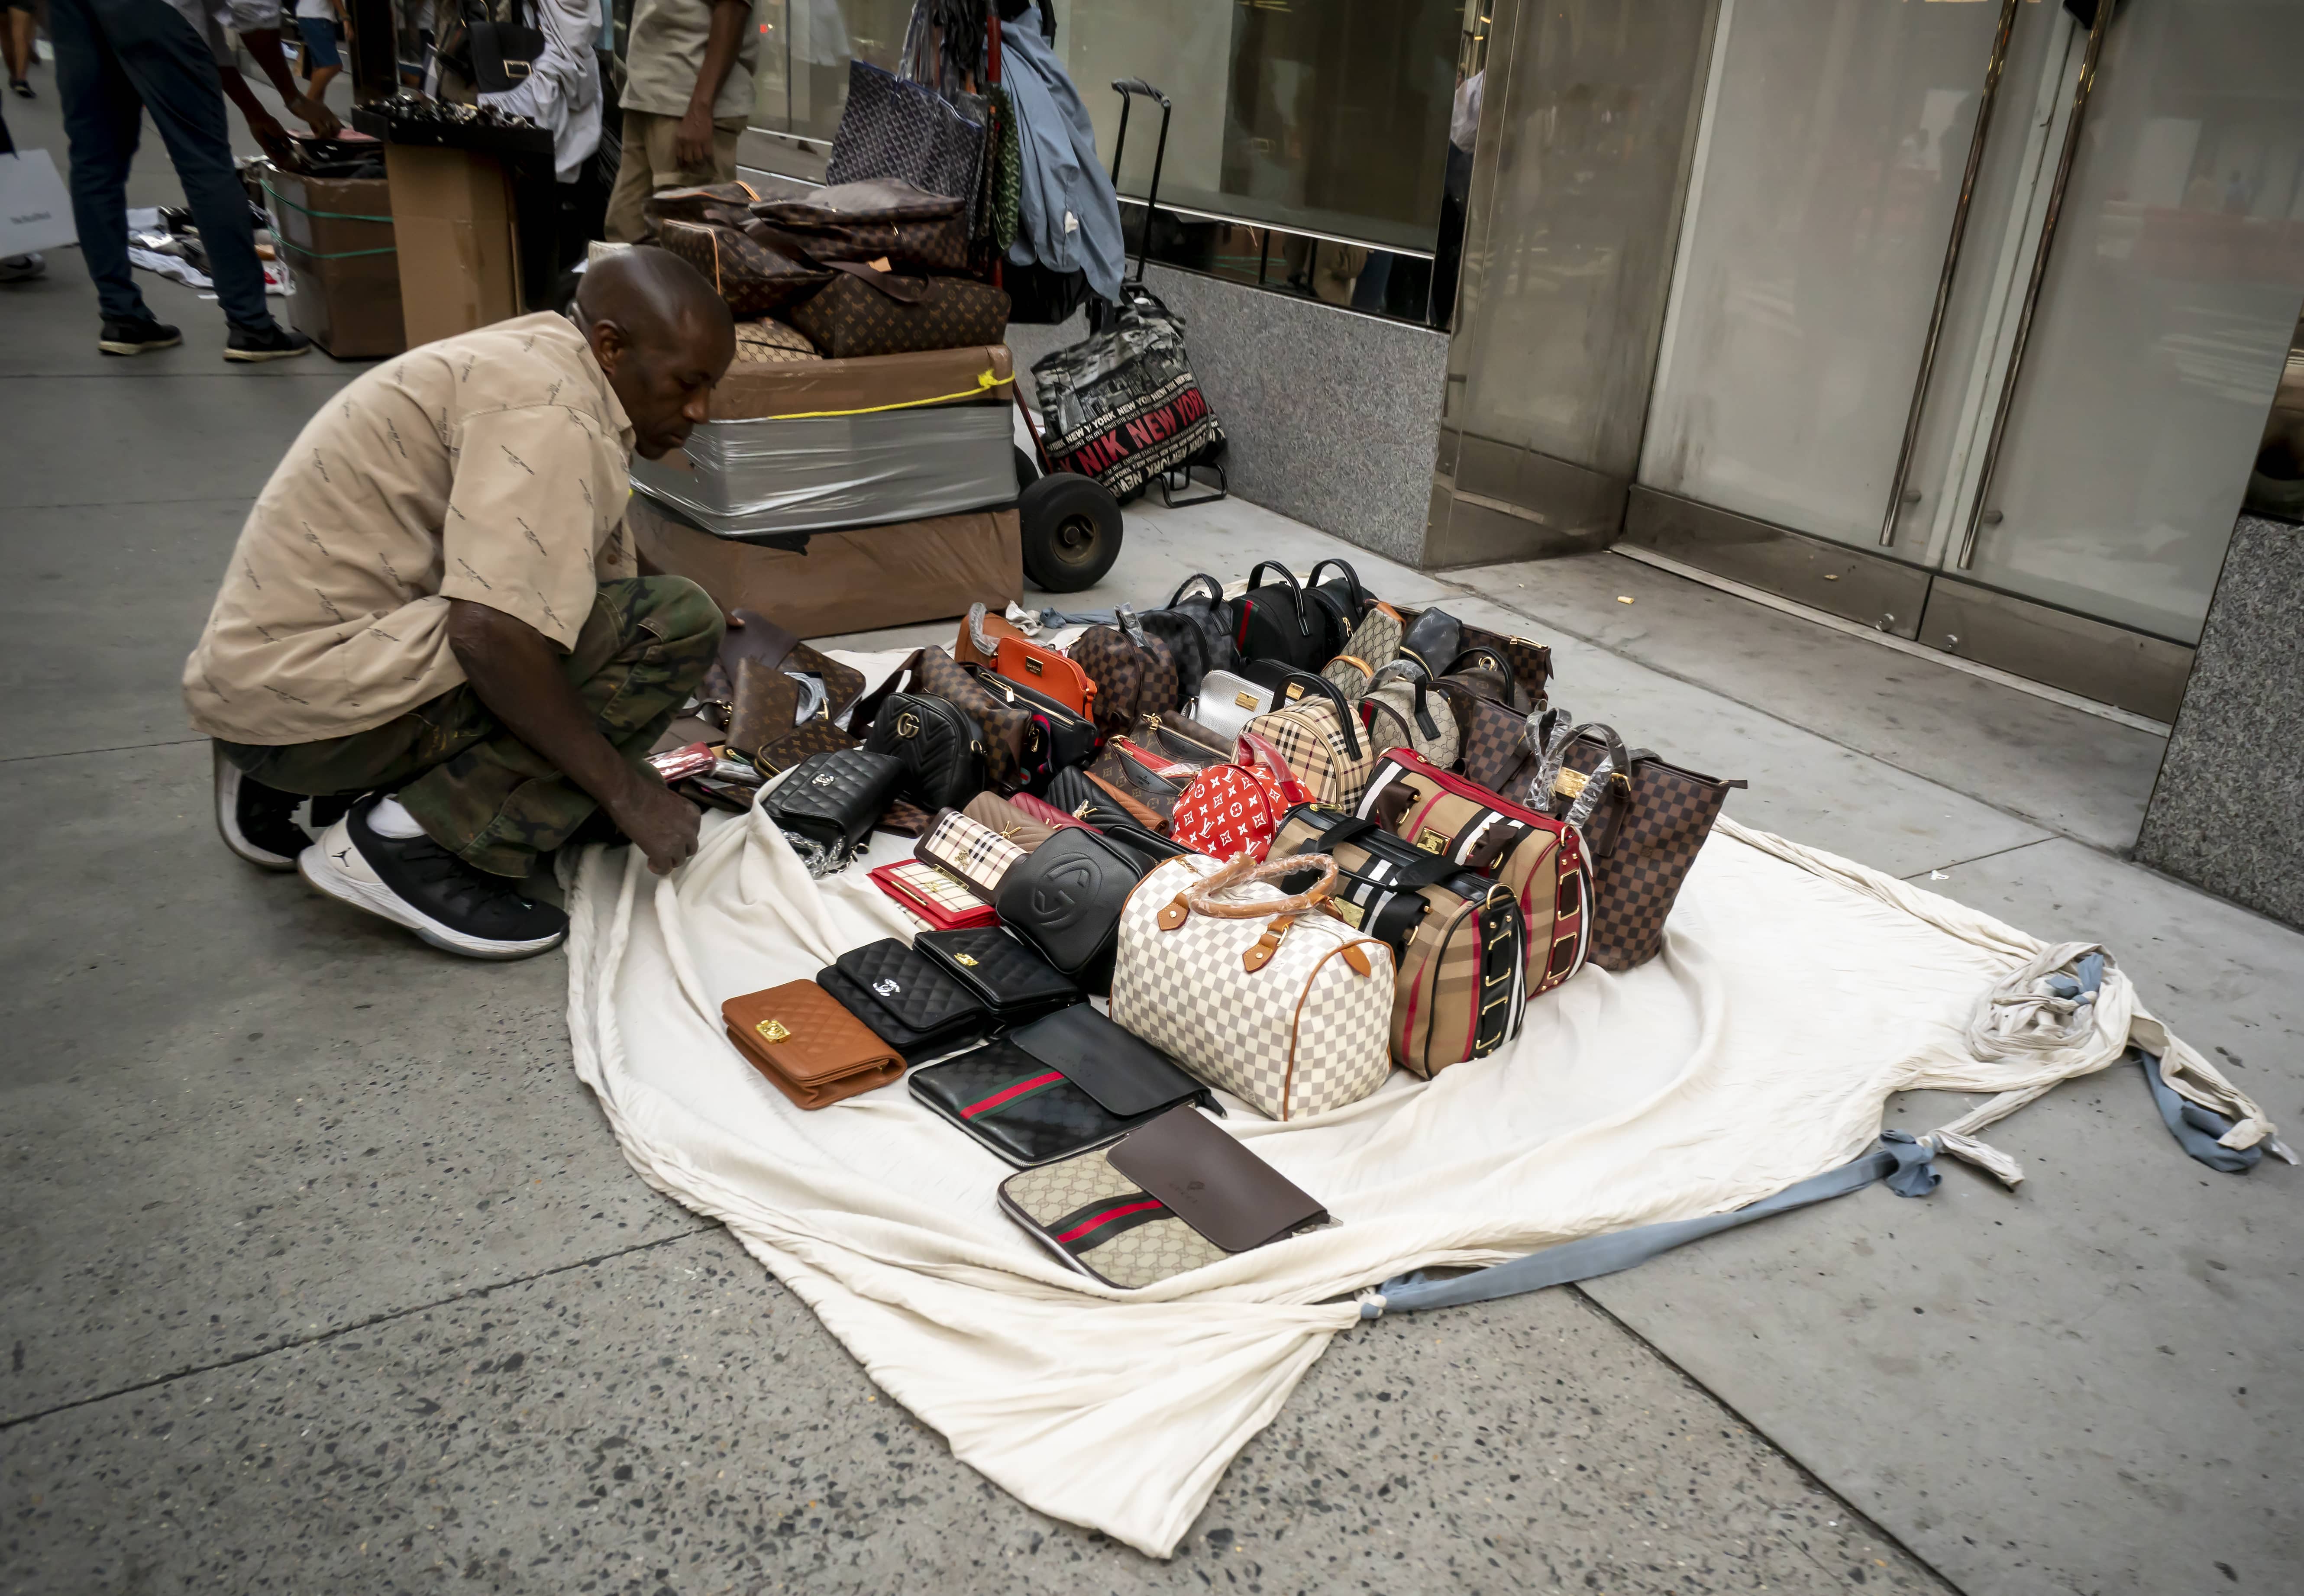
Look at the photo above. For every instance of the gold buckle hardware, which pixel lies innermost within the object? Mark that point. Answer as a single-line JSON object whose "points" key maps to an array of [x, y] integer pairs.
{"points": [[1246, 700], [968, 959], [774, 1031]]}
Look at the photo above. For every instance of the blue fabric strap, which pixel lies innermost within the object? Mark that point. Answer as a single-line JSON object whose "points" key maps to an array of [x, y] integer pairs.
{"points": [[2196, 1130], [1899, 1159]]}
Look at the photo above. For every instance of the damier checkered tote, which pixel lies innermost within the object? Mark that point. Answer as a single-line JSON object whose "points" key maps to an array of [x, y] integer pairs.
{"points": [[1642, 820], [1271, 998]]}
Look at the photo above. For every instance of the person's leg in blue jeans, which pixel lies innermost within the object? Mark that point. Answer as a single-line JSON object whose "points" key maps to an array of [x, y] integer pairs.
{"points": [[148, 47], [102, 119]]}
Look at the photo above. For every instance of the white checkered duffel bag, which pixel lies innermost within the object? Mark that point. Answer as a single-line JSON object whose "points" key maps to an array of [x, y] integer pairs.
{"points": [[1268, 997]]}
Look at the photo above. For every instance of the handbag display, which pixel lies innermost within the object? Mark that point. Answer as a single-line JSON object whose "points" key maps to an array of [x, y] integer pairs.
{"points": [[1266, 996], [1492, 737], [1168, 1198], [810, 1048], [1026, 830], [1403, 712], [1236, 808], [938, 747], [756, 279], [1318, 732], [890, 128], [904, 1000], [1541, 860], [757, 638], [1339, 604], [1135, 673], [1029, 665], [1154, 782], [1009, 978], [932, 895], [1180, 740], [1064, 898], [870, 313], [1642, 820], [875, 219], [1432, 641], [1459, 941], [1059, 1086], [1373, 644], [831, 800], [1277, 622], [761, 719], [1196, 625], [970, 851], [1056, 738]]}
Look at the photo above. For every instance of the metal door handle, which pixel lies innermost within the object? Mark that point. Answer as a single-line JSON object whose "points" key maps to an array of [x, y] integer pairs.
{"points": [[1992, 68], [2081, 92]]}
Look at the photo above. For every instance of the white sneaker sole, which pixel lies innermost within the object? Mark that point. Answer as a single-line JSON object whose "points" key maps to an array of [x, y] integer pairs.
{"points": [[324, 874], [228, 777], [121, 346]]}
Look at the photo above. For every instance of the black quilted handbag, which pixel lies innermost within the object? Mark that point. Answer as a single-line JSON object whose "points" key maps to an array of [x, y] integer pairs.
{"points": [[894, 129], [1014, 982], [905, 999], [1065, 897], [937, 746], [831, 800]]}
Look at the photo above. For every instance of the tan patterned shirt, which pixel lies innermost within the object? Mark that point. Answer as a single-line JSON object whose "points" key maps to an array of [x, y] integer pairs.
{"points": [[492, 466]]}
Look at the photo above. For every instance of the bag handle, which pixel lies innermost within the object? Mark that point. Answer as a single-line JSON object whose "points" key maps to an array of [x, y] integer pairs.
{"points": [[977, 638], [1288, 579], [1335, 695], [1558, 736], [1259, 751], [1360, 601], [914, 289], [1215, 589], [1201, 897]]}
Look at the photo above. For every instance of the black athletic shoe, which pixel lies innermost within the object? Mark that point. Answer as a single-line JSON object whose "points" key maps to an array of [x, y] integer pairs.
{"points": [[257, 822], [415, 882], [274, 343], [136, 336], [23, 88], [327, 811]]}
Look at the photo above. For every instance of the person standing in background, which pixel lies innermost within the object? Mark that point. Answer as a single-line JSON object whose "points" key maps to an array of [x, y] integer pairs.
{"points": [[118, 59], [1448, 259], [688, 94], [319, 22], [16, 44]]}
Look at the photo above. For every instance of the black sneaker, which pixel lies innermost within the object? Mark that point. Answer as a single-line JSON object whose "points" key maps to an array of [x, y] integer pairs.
{"points": [[136, 336], [257, 822], [415, 882], [273, 342], [23, 88]]}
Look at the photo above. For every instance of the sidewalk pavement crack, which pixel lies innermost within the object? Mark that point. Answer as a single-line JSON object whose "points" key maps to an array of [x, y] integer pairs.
{"points": [[1980, 858], [1780, 718], [291, 1343], [73, 753]]}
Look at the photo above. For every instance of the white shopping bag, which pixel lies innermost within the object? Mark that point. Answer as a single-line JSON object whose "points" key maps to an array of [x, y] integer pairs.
{"points": [[35, 212]]}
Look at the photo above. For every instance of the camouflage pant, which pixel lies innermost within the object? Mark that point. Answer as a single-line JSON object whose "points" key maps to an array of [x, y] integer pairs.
{"points": [[478, 790]]}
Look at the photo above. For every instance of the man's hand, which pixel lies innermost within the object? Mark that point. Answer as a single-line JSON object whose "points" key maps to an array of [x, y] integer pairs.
{"points": [[317, 117], [691, 140], [661, 823], [273, 139]]}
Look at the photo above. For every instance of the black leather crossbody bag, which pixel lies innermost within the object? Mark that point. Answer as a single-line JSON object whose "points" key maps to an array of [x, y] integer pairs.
{"points": [[834, 799], [938, 744], [1065, 900]]}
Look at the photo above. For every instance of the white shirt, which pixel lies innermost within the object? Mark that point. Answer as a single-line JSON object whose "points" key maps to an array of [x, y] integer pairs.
{"points": [[1464, 116], [215, 21], [321, 10]]}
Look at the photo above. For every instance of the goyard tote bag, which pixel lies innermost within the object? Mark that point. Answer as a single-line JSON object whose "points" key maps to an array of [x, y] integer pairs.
{"points": [[891, 127], [1266, 995]]}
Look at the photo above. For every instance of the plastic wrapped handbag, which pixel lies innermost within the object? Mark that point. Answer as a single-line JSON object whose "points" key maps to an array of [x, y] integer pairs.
{"points": [[1642, 820], [1237, 808], [1264, 994]]}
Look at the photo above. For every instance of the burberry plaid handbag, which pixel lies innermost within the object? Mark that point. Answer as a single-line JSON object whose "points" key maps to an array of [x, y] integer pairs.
{"points": [[1266, 996], [1318, 733], [969, 851], [1643, 821]]}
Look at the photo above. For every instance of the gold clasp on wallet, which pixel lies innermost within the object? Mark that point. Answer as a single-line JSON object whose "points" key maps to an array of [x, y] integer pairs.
{"points": [[968, 959], [774, 1031]]}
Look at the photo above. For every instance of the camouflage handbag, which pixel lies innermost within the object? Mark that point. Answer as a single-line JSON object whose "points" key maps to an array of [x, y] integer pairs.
{"points": [[864, 312], [1643, 821]]}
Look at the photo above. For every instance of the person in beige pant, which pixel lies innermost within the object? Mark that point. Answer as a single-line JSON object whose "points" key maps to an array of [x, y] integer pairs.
{"points": [[687, 95]]}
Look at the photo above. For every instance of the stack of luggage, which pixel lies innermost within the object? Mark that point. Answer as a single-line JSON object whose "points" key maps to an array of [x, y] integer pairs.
{"points": [[1292, 835]]}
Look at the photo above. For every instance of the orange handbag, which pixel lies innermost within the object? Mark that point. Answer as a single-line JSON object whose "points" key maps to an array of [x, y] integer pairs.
{"points": [[1029, 665]]}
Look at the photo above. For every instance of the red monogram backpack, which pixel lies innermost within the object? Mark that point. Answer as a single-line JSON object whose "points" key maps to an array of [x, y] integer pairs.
{"points": [[1235, 808]]}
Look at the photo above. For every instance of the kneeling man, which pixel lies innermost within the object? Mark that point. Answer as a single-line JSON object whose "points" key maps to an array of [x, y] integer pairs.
{"points": [[434, 610]]}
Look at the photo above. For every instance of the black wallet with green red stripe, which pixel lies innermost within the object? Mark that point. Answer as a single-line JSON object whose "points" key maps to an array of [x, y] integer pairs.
{"points": [[1056, 1087]]}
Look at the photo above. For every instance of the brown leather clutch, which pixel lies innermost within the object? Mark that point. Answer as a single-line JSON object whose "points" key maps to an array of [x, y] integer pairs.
{"points": [[809, 1047]]}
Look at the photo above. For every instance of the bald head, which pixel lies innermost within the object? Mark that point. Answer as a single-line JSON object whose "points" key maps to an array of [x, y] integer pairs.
{"points": [[663, 335]]}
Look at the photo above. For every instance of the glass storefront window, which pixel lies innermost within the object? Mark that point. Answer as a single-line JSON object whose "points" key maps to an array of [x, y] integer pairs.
{"points": [[1326, 116]]}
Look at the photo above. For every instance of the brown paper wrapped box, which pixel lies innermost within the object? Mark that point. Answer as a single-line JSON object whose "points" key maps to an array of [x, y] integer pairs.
{"points": [[757, 390], [334, 236], [857, 581]]}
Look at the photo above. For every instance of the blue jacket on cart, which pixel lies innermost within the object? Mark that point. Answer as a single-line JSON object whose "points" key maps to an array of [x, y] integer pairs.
{"points": [[1069, 217]]}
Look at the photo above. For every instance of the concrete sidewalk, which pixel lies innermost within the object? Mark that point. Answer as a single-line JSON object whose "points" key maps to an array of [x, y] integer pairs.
{"points": [[319, 1270]]}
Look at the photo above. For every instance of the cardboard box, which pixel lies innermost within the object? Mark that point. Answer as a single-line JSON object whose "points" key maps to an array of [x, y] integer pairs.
{"points": [[836, 583], [451, 215], [336, 237], [761, 390]]}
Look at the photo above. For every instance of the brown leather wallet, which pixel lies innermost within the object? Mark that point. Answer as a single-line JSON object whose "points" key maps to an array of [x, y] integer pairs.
{"points": [[809, 1047]]}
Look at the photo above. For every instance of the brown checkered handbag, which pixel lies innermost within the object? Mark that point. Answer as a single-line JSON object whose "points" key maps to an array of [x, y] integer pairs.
{"points": [[1642, 820], [864, 312]]}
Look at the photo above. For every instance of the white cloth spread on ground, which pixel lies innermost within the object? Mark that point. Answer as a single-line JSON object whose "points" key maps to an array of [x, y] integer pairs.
{"points": [[1794, 994]]}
